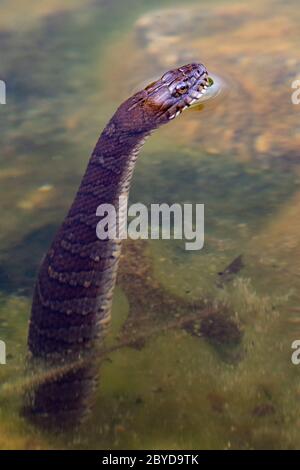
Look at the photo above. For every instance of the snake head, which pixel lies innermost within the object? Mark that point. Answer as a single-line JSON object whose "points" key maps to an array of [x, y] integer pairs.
{"points": [[162, 100], [175, 91]]}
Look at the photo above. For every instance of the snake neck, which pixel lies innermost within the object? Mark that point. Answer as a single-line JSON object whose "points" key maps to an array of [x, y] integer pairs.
{"points": [[73, 293]]}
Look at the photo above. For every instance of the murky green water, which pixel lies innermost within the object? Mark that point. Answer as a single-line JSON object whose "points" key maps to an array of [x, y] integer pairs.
{"points": [[66, 69]]}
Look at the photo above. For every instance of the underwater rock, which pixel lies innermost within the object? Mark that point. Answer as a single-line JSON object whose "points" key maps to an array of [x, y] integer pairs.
{"points": [[228, 37]]}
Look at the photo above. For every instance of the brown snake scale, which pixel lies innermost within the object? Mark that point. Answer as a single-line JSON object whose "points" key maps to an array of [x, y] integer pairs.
{"points": [[74, 289]]}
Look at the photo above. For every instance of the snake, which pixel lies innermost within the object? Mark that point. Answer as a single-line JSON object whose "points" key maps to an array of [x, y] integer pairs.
{"points": [[73, 293]]}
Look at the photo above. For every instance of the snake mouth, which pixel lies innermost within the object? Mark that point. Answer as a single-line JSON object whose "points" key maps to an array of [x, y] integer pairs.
{"points": [[213, 86], [193, 98]]}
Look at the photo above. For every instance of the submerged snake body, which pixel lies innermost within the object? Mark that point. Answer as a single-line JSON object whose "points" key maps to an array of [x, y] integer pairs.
{"points": [[73, 293]]}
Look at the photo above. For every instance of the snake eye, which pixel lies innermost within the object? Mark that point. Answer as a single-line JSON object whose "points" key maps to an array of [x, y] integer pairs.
{"points": [[181, 88]]}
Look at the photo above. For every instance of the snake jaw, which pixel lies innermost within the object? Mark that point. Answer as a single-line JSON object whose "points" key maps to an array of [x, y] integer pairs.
{"points": [[189, 101]]}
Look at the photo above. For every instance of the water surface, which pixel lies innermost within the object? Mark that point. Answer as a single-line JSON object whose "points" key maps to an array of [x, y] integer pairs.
{"points": [[66, 73]]}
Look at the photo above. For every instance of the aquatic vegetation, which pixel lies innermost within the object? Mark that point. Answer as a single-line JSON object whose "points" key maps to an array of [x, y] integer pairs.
{"points": [[160, 385]]}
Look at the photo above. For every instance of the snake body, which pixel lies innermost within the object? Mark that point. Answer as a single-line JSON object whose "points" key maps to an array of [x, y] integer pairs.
{"points": [[74, 288], [73, 292]]}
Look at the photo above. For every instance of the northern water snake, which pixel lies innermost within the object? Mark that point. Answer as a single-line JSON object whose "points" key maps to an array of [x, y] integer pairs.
{"points": [[73, 293], [75, 283]]}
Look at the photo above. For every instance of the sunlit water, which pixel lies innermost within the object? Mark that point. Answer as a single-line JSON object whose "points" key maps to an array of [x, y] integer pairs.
{"points": [[66, 73]]}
